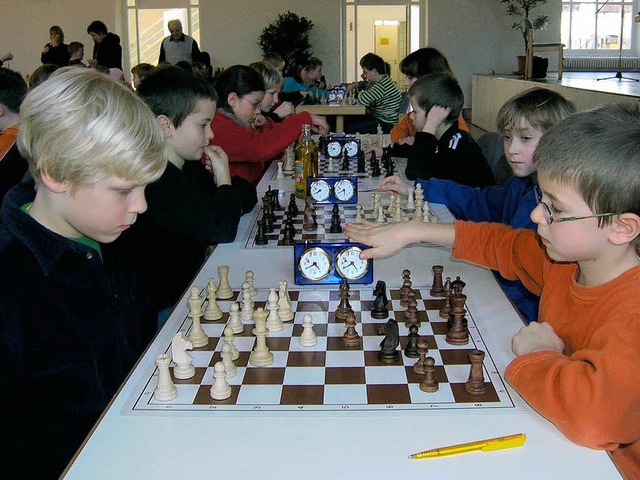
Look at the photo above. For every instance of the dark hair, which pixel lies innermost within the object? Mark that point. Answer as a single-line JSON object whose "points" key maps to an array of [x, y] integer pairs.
{"points": [[173, 92], [238, 79], [142, 70], [97, 27], [74, 47], [597, 153], [424, 61], [58, 30], [204, 58], [184, 65], [40, 74], [371, 61], [13, 89], [438, 89]]}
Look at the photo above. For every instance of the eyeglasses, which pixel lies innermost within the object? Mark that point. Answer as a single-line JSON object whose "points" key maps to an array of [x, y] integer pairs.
{"points": [[549, 218]]}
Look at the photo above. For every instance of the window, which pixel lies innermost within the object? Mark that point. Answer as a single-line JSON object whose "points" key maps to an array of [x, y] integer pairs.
{"points": [[595, 25]]}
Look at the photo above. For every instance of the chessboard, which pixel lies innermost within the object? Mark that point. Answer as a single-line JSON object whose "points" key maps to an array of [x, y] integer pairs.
{"points": [[347, 214], [328, 167], [329, 376]]}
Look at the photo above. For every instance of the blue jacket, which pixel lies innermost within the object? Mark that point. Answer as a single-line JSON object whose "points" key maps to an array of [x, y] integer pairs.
{"points": [[510, 204], [73, 322]]}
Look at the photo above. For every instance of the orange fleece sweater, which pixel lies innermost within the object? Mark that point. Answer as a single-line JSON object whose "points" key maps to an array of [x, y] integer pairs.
{"points": [[405, 128], [591, 391], [7, 138]]}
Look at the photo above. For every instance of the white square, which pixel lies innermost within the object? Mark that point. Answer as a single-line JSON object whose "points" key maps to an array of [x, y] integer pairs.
{"points": [[237, 380], [345, 395], [371, 343], [304, 376], [345, 358], [186, 396], [295, 346], [201, 358], [259, 395], [313, 295], [386, 375], [458, 373]]}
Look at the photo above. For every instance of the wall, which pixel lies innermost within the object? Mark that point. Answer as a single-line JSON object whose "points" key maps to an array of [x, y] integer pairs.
{"points": [[474, 34]]}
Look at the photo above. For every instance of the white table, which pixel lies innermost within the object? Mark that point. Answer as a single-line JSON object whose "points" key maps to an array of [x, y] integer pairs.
{"points": [[372, 445]]}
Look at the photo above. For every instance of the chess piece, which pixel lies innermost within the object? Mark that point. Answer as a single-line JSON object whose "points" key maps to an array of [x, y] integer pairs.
{"points": [[184, 363], [475, 384], [411, 314], [411, 350], [404, 291], [458, 333], [293, 206], [234, 322], [389, 344], [379, 310], [344, 306], [280, 173], [274, 323], [247, 307], [220, 390], [309, 223], [429, 383], [165, 389], [212, 312], [410, 199], [359, 214], [261, 233], [224, 289], [228, 340], [445, 310], [335, 226], [350, 338], [423, 349], [284, 303], [229, 367], [249, 277], [260, 356], [289, 232], [437, 289], [308, 337], [196, 336]]}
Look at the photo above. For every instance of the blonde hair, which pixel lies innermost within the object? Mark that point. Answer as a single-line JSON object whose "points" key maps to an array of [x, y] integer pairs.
{"points": [[270, 74], [81, 126]]}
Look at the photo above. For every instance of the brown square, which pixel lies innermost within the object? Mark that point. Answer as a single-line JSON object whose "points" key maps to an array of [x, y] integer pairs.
{"points": [[456, 357], [371, 359], [302, 395], [388, 394], [312, 306], [434, 304], [344, 376], [335, 343], [195, 380], [332, 318], [263, 376], [335, 295], [278, 344], [242, 361], [306, 359], [440, 374], [461, 395]]}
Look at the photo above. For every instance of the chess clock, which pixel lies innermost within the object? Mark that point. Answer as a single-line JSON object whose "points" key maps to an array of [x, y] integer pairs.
{"points": [[329, 190], [319, 262], [336, 144]]}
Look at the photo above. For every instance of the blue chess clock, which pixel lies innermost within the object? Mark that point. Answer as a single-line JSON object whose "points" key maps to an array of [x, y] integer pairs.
{"points": [[328, 263], [342, 190]]}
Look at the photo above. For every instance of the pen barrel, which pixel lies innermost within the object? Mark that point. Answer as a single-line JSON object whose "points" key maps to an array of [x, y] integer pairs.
{"points": [[441, 452]]}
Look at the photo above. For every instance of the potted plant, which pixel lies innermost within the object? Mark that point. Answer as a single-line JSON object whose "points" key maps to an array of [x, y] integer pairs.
{"points": [[521, 9]]}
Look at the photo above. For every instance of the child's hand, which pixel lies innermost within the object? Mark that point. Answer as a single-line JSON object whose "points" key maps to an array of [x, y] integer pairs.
{"points": [[319, 124], [536, 337], [217, 163], [284, 110], [258, 121], [396, 185], [385, 239], [435, 117]]}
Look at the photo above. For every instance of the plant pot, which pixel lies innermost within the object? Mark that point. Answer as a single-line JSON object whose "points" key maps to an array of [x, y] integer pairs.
{"points": [[540, 65]]}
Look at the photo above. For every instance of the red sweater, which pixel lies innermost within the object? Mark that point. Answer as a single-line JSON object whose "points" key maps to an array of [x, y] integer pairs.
{"points": [[591, 392], [250, 150]]}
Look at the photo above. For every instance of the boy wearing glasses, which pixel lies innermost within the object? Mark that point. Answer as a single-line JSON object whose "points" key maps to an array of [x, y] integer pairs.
{"points": [[576, 367]]}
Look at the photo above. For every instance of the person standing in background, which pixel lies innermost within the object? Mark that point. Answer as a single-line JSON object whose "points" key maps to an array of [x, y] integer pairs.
{"points": [[56, 51], [178, 47], [107, 51]]}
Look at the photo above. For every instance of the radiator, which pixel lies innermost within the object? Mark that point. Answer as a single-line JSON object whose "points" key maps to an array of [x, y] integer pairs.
{"points": [[601, 63]]}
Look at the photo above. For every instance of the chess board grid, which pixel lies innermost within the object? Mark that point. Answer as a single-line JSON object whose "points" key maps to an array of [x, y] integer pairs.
{"points": [[329, 377]]}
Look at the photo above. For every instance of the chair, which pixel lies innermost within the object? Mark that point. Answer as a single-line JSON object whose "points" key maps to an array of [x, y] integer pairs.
{"points": [[533, 47], [492, 148], [405, 105]]}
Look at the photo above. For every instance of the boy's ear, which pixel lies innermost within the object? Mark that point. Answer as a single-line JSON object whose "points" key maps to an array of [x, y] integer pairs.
{"points": [[54, 185], [165, 124], [626, 229], [233, 99]]}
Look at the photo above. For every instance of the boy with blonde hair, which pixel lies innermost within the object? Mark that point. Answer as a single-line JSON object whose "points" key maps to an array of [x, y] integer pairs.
{"points": [[73, 318], [577, 366], [522, 121]]}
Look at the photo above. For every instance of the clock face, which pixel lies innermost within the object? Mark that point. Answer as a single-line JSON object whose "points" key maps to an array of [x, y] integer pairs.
{"points": [[319, 190], [314, 263], [349, 264], [344, 190], [351, 148], [334, 149]]}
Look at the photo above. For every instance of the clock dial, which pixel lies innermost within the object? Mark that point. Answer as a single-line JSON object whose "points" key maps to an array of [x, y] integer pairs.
{"points": [[344, 190], [334, 149], [351, 148], [349, 264], [320, 190], [314, 263]]}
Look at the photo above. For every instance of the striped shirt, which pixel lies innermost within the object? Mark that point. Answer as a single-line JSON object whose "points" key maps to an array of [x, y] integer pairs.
{"points": [[384, 98]]}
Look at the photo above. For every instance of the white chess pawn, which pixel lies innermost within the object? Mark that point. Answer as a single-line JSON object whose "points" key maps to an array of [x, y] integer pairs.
{"points": [[165, 389], [228, 340], [224, 289], [247, 307], [330, 165], [229, 367], [235, 323], [284, 304], [212, 312], [359, 216], [274, 323], [246, 292], [308, 337], [280, 171], [184, 368], [249, 278], [220, 390]]}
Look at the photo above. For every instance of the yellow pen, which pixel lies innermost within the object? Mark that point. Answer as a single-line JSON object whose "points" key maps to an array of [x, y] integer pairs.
{"points": [[499, 443]]}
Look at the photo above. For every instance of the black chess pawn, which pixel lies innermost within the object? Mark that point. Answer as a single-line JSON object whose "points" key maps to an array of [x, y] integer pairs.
{"points": [[388, 346], [276, 199], [423, 349], [268, 222], [345, 161], [261, 235], [411, 350], [429, 383], [350, 338], [289, 232], [293, 206], [336, 226]]}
